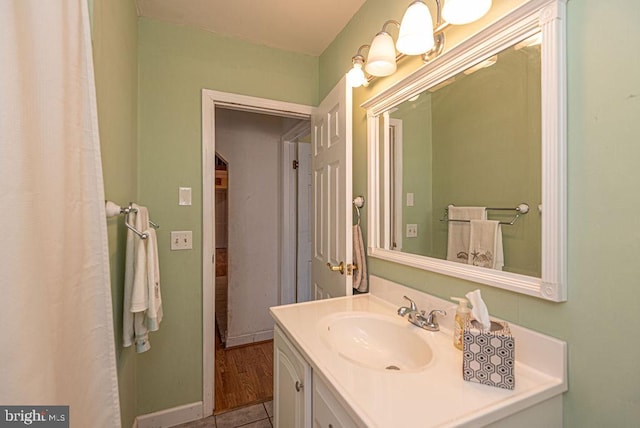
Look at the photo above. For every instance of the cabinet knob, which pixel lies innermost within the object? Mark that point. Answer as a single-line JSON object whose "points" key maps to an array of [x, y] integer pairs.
{"points": [[299, 386]]}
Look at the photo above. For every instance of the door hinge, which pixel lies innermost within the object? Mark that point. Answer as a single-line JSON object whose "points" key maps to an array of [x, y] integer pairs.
{"points": [[295, 164]]}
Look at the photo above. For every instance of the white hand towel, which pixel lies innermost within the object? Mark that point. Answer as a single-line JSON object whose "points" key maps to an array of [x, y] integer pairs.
{"points": [[142, 310], [459, 231], [360, 282], [139, 291], [485, 244]]}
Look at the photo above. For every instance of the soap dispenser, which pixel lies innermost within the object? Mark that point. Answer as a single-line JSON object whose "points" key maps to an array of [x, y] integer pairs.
{"points": [[462, 315]]}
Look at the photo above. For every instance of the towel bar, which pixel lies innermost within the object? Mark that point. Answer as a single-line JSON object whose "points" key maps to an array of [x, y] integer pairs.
{"points": [[520, 209], [126, 211]]}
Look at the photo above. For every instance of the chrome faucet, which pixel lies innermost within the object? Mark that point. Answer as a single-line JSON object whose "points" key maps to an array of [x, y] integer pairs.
{"points": [[418, 318]]}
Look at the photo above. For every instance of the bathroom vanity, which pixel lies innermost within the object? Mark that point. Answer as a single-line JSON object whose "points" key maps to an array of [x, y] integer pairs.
{"points": [[353, 362]]}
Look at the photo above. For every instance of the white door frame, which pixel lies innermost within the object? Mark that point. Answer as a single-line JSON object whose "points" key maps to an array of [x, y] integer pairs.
{"points": [[289, 211], [210, 100], [395, 127]]}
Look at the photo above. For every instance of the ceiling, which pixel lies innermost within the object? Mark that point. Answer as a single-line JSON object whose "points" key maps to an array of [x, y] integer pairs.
{"points": [[304, 26]]}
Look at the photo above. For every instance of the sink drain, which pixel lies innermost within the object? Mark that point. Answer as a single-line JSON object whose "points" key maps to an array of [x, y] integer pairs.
{"points": [[392, 368]]}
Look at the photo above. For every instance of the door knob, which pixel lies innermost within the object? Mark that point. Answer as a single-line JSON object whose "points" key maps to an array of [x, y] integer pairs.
{"points": [[339, 268]]}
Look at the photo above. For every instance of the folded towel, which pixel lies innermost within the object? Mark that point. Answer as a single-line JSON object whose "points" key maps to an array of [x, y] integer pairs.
{"points": [[360, 282], [459, 231], [139, 291], [485, 244]]}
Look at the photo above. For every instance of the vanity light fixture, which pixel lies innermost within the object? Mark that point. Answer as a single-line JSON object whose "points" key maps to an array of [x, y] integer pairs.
{"points": [[382, 54], [417, 36], [460, 12]]}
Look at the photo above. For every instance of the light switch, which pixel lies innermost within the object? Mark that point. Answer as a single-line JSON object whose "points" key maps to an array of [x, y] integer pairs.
{"points": [[184, 196], [181, 240], [409, 199], [412, 230]]}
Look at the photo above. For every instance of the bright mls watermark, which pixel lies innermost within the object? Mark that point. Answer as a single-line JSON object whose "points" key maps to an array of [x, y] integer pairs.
{"points": [[34, 416]]}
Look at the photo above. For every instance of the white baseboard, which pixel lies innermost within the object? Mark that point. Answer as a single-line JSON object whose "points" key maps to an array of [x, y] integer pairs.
{"points": [[170, 417], [260, 336]]}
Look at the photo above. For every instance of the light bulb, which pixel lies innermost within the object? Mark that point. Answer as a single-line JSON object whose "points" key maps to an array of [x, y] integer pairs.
{"points": [[416, 30], [381, 60], [355, 76]]}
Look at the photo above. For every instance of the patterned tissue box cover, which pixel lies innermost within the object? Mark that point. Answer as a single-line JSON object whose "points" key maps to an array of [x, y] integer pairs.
{"points": [[488, 357]]}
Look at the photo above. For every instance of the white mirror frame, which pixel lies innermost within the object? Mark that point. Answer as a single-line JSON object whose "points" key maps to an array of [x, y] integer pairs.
{"points": [[548, 17]]}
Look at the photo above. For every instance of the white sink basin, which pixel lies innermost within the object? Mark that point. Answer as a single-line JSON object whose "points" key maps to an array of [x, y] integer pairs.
{"points": [[376, 341]]}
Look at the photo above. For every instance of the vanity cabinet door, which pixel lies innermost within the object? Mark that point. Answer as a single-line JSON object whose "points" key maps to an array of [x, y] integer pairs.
{"points": [[327, 412], [291, 384]]}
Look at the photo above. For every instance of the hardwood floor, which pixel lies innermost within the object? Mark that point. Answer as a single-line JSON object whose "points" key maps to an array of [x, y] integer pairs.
{"points": [[243, 375], [221, 293]]}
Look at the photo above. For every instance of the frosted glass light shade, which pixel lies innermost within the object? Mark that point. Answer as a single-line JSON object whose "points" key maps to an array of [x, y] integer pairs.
{"points": [[416, 30], [381, 60], [355, 76], [459, 12]]}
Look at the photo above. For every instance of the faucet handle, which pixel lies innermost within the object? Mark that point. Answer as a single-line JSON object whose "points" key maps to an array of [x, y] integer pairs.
{"points": [[412, 304], [432, 320]]}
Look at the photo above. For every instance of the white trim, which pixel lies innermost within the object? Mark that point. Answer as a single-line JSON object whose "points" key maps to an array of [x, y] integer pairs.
{"points": [[398, 184], [288, 278], [258, 105], [211, 100], [548, 17], [208, 251], [245, 339], [170, 417]]}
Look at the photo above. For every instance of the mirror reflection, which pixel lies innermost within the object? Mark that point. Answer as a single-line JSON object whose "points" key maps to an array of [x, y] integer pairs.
{"points": [[473, 140]]}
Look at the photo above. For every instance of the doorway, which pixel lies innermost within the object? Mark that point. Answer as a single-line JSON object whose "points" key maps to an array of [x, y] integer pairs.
{"points": [[221, 257], [215, 106], [296, 208]]}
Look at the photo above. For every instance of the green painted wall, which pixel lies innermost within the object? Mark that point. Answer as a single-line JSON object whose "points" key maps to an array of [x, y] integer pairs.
{"points": [[116, 71], [487, 134], [175, 64], [476, 142], [603, 133], [417, 171]]}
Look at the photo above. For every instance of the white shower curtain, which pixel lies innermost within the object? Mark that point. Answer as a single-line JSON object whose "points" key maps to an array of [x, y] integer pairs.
{"points": [[56, 329]]}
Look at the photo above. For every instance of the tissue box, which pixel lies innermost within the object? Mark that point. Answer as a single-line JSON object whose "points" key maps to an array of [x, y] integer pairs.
{"points": [[488, 357]]}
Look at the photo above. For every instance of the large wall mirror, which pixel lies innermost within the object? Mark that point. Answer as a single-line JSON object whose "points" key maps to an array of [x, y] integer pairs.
{"points": [[467, 159]]}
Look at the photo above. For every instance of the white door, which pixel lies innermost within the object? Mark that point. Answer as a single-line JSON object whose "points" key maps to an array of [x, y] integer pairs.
{"points": [[332, 225], [303, 262]]}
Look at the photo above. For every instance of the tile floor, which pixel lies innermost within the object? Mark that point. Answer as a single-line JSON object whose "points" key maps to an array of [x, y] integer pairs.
{"points": [[256, 416]]}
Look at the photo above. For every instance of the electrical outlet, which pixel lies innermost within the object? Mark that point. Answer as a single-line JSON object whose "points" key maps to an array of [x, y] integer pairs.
{"points": [[181, 240], [412, 230]]}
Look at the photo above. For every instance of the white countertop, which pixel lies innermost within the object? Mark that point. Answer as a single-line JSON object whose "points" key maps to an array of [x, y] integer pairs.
{"points": [[436, 396]]}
